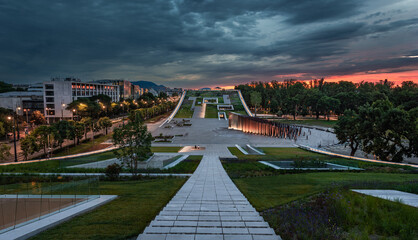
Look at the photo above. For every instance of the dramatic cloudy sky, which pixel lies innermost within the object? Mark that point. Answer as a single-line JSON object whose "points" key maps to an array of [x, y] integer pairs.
{"points": [[208, 43]]}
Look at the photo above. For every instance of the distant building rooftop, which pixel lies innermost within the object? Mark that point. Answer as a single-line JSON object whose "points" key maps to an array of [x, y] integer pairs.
{"points": [[21, 94]]}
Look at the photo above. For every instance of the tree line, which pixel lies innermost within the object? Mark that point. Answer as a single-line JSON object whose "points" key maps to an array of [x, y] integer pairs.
{"points": [[379, 118], [318, 97]]}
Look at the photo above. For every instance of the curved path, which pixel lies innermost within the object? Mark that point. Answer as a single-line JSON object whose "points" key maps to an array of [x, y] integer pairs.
{"points": [[244, 104], [176, 109], [209, 206]]}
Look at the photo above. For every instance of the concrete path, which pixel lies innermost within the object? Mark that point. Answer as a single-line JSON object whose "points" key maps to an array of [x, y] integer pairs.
{"points": [[199, 111], [226, 99], [392, 195], [209, 206]]}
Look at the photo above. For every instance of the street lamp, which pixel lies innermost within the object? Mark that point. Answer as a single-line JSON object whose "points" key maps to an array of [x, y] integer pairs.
{"points": [[62, 111], [14, 136], [123, 111], [17, 123], [27, 121]]}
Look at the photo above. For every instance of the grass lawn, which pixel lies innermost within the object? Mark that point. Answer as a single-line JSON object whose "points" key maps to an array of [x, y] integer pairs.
{"points": [[277, 154], [249, 164], [185, 110], [188, 165], [59, 166], [166, 149], [211, 111], [312, 122], [83, 147], [126, 217], [270, 191]]}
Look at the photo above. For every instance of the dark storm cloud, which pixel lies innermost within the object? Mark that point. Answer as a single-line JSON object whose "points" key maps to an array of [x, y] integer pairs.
{"points": [[189, 41]]}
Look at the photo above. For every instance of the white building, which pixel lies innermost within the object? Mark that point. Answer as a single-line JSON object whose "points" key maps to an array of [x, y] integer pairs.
{"points": [[27, 101], [58, 93]]}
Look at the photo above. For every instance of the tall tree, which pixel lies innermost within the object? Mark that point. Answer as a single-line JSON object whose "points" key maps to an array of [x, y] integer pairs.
{"points": [[28, 146], [88, 125], [255, 100], [105, 123], [61, 131], [37, 118], [327, 104], [135, 143], [388, 132], [42, 135], [347, 130]]}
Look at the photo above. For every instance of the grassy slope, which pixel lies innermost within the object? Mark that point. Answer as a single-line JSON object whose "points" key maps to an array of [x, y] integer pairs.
{"points": [[83, 147], [166, 149], [185, 110], [270, 191], [312, 122], [59, 166], [277, 154], [126, 217], [211, 111]]}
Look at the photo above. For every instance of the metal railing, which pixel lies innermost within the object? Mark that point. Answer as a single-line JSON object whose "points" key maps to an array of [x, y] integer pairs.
{"points": [[25, 199]]}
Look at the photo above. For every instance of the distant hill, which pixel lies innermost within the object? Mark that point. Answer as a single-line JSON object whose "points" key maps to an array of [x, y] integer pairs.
{"points": [[149, 85]]}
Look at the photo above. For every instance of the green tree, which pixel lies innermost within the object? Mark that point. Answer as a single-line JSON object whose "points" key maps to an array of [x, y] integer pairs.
{"points": [[61, 131], [28, 146], [4, 151], [88, 125], [2, 129], [347, 130], [327, 104], [76, 131], [42, 135], [37, 118], [86, 107], [105, 123], [388, 132], [135, 143], [255, 100]]}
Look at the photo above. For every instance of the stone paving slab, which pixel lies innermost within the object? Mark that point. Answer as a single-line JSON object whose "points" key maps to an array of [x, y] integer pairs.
{"points": [[209, 206], [392, 195]]}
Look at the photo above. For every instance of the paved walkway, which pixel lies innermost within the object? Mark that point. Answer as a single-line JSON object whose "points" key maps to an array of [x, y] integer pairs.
{"points": [[199, 111], [392, 195], [209, 206]]}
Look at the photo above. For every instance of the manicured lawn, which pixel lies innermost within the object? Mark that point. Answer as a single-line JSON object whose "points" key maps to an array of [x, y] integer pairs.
{"points": [[312, 122], [166, 149], [188, 165], [270, 191], [211, 111], [185, 110], [278, 154], [60, 166], [124, 218], [83, 147]]}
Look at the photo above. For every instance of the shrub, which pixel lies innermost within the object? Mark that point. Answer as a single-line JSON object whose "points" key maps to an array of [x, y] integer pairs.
{"points": [[112, 171]]}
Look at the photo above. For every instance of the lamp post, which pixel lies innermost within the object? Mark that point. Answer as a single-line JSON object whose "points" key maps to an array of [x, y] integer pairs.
{"points": [[27, 120], [14, 136], [123, 111], [62, 111], [17, 123], [74, 111], [47, 113]]}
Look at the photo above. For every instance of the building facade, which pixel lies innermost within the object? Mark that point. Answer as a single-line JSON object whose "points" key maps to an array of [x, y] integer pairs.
{"points": [[27, 101], [126, 89], [59, 92]]}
